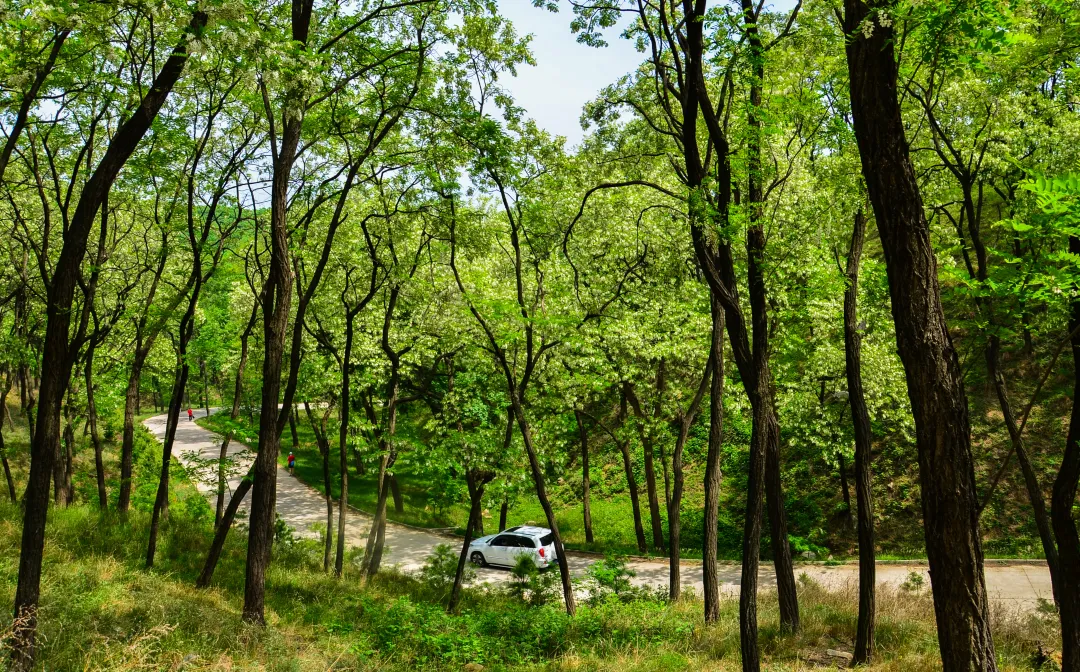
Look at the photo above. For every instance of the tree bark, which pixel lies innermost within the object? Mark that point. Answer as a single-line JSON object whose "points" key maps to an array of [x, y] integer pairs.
{"points": [[238, 393], [343, 441], [586, 510], [631, 484], [57, 358], [713, 475], [324, 450], [395, 491], [685, 421], [655, 522], [769, 432], [222, 532], [91, 415], [545, 503], [292, 428], [860, 418], [1061, 509], [934, 376], [476, 480]]}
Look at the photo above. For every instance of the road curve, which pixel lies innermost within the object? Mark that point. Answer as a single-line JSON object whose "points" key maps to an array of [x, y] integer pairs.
{"points": [[1015, 585]]}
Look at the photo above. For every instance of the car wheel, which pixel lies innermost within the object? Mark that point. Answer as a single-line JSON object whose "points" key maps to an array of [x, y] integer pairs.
{"points": [[478, 559]]}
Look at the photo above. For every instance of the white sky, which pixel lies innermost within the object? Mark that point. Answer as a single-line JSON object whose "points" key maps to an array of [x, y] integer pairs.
{"points": [[567, 74]]}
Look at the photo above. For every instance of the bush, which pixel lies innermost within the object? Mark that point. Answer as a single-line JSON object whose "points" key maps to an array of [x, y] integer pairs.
{"points": [[530, 584], [440, 569], [609, 576]]}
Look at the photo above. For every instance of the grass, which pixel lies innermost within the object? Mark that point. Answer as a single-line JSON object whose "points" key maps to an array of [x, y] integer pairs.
{"points": [[101, 609]]}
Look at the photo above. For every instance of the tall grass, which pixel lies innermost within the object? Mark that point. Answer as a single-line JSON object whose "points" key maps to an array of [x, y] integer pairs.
{"points": [[101, 609]]}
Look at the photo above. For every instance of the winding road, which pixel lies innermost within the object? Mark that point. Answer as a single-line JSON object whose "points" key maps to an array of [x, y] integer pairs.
{"points": [[1011, 584]]}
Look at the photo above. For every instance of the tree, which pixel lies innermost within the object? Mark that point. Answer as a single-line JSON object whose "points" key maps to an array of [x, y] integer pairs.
{"points": [[57, 359], [935, 381]]}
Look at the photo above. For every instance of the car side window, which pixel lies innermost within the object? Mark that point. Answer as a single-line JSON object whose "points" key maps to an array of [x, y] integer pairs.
{"points": [[527, 542], [504, 540]]}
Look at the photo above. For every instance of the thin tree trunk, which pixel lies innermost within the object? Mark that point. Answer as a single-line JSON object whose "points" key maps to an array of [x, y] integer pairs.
{"points": [[860, 418], [324, 450], [845, 491], [343, 436], [1031, 480], [238, 393], [222, 532], [161, 501], [685, 420], [91, 416], [934, 375], [476, 481], [3, 449], [644, 433], [370, 567], [586, 510], [545, 503], [205, 388], [710, 578], [631, 483], [395, 491], [292, 428], [503, 511], [127, 447], [654, 500]]}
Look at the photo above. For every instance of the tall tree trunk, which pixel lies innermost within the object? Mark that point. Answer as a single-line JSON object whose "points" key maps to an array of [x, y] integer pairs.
{"points": [[371, 566], [1061, 509], [222, 531], [769, 432], [685, 420], [476, 480], [238, 393], [343, 442], [934, 376], [161, 501], [57, 358], [323, 442], [545, 503], [586, 510], [631, 484], [3, 449], [645, 435], [399, 502], [205, 388], [713, 475], [504, 509], [292, 428], [127, 446], [654, 500], [845, 491], [860, 418], [91, 416], [1031, 480]]}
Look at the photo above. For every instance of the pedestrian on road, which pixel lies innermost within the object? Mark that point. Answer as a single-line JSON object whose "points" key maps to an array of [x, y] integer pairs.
{"points": [[292, 463], [190, 415]]}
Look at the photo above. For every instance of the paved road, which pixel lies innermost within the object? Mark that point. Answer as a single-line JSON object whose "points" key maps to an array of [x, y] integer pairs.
{"points": [[1013, 585]]}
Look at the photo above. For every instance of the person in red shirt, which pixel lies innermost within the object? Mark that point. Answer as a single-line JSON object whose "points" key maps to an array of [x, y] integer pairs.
{"points": [[292, 463], [190, 415]]}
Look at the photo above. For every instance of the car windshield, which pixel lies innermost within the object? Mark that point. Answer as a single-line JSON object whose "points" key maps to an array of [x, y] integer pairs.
{"points": [[547, 539]]}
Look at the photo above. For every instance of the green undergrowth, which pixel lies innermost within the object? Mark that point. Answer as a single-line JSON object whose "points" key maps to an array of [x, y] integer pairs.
{"points": [[101, 609]]}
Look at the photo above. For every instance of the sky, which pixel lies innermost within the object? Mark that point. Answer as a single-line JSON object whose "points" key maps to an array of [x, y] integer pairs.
{"points": [[567, 74]]}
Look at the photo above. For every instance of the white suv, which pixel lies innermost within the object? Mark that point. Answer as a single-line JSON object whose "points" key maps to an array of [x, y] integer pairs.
{"points": [[507, 546]]}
